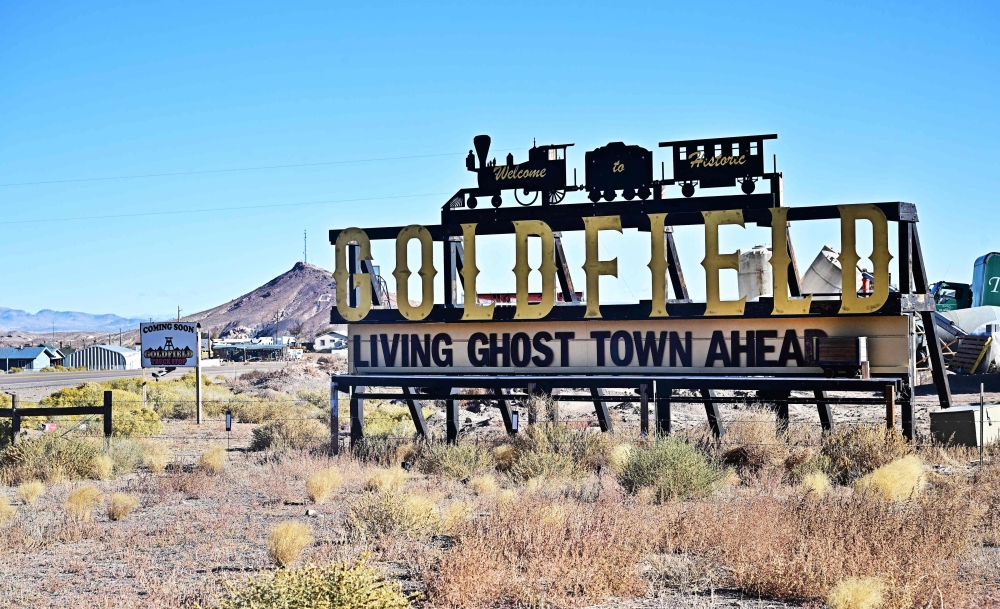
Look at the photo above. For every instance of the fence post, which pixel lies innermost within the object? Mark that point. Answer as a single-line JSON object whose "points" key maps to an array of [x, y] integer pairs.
{"points": [[107, 414], [644, 409], [15, 418], [334, 420], [890, 406]]}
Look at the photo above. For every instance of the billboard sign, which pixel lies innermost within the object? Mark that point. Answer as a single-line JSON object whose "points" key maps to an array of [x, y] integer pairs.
{"points": [[169, 344]]}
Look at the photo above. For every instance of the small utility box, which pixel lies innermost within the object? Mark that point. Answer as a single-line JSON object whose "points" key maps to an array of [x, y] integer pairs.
{"points": [[960, 425]]}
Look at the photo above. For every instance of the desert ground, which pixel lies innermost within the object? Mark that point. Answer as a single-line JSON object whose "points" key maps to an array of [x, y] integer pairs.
{"points": [[560, 516]]}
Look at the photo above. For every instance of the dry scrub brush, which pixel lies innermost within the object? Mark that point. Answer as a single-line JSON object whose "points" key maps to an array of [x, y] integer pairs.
{"points": [[856, 450], [456, 461], [81, 502], [539, 553], [378, 515], [213, 460], [121, 505], [287, 540], [337, 586], [897, 481], [801, 548], [670, 468], [157, 457], [29, 492], [7, 511], [321, 485], [386, 480], [48, 458], [295, 434]]}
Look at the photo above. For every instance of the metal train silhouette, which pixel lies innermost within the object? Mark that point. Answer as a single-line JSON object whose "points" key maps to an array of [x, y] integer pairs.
{"points": [[614, 170]]}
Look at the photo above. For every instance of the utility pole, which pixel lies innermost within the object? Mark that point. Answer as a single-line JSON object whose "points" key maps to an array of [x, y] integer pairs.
{"points": [[305, 249], [178, 313]]}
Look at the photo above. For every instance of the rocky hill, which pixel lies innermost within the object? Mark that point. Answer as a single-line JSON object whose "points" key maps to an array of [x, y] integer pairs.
{"points": [[301, 297]]}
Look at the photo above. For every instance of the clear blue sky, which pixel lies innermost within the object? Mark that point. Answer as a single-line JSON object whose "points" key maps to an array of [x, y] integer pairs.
{"points": [[872, 102]]}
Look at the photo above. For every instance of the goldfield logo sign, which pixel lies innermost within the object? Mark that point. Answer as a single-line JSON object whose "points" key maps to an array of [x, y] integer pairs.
{"points": [[773, 335], [169, 344]]}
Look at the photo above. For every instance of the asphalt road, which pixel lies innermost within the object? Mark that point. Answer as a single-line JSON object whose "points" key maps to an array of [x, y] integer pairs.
{"points": [[58, 380]]}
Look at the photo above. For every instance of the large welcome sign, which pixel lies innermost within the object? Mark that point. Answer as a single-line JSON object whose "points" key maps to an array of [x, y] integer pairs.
{"points": [[771, 336]]}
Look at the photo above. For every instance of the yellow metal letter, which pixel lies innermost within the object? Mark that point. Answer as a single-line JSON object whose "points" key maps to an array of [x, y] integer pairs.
{"points": [[783, 304], [880, 257], [426, 272], [540, 229], [594, 267], [714, 262], [342, 276], [658, 264], [472, 309]]}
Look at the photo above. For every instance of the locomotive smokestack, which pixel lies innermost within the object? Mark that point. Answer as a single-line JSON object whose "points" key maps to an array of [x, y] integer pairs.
{"points": [[482, 144]]}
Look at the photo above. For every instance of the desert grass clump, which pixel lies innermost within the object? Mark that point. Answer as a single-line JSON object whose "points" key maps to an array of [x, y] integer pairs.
{"points": [[336, 586], [386, 480], [534, 552], [816, 484], [619, 456], [457, 514], [854, 451], [157, 458], [856, 593], [456, 461], [121, 505], [287, 540], [378, 515], [104, 467], [672, 469], [29, 492], [503, 457], [897, 481], [81, 502], [213, 460], [484, 484], [789, 547], [49, 458], [294, 434], [321, 485], [127, 455], [7, 511], [756, 440]]}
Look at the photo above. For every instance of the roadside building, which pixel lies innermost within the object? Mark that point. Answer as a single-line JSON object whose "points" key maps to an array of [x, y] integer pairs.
{"points": [[29, 358], [250, 352], [330, 341], [105, 357]]}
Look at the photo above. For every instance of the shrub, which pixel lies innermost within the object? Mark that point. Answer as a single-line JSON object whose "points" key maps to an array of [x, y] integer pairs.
{"points": [[317, 398], [320, 485], [136, 421], [532, 552], [29, 492], [816, 484], [897, 481], [456, 461], [213, 460], [256, 411], [104, 467], [157, 458], [286, 542], [380, 450], [337, 586], [81, 502], [376, 515], [755, 440], [48, 458], [121, 505], [126, 455], [856, 593], [790, 548], [296, 434], [619, 456], [484, 484], [386, 480], [458, 513], [7, 511], [671, 468], [503, 456], [531, 464], [854, 451]]}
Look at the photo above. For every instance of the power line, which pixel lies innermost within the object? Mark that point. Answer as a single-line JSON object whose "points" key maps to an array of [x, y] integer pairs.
{"points": [[188, 173], [209, 209]]}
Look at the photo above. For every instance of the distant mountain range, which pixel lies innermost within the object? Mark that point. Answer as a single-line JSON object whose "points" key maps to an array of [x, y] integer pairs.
{"points": [[65, 321]]}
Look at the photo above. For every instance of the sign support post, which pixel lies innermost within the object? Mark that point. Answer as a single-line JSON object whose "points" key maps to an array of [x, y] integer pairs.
{"points": [[197, 375]]}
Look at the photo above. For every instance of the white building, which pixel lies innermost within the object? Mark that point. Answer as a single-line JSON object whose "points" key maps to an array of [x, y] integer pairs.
{"points": [[105, 357], [330, 341]]}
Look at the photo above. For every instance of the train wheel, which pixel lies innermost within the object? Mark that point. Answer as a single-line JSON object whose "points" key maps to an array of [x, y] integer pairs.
{"points": [[496, 201], [629, 194], [472, 203], [526, 202], [687, 189], [556, 196], [609, 195], [644, 193], [594, 195]]}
